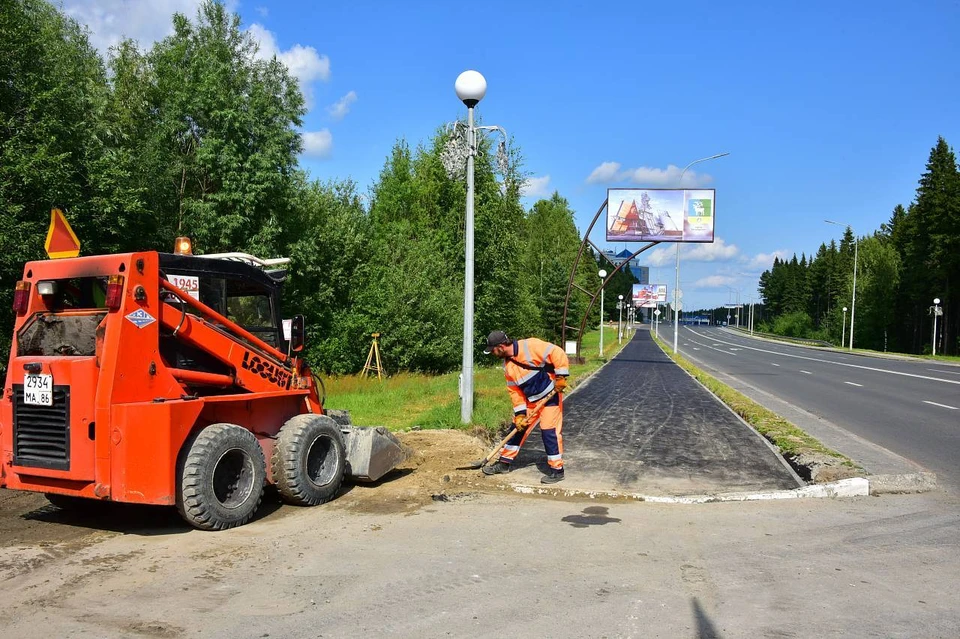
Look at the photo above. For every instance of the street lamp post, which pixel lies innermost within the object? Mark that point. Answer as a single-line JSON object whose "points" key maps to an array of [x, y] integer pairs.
{"points": [[853, 304], [676, 289], [602, 273], [936, 311], [470, 88], [843, 331], [620, 319]]}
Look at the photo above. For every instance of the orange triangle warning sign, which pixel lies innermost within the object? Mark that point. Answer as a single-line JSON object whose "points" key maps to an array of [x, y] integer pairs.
{"points": [[61, 240]]}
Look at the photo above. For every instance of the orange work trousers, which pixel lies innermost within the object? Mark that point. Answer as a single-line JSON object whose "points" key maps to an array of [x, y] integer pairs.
{"points": [[551, 430]]}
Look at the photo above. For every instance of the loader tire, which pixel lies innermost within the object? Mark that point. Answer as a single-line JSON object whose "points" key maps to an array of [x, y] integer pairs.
{"points": [[221, 477], [309, 460]]}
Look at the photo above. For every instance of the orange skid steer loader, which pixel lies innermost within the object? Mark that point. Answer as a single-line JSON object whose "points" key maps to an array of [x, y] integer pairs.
{"points": [[170, 379]]}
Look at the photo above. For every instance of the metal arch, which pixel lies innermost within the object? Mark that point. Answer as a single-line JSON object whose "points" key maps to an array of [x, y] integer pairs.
{"points": [[571, 285]]}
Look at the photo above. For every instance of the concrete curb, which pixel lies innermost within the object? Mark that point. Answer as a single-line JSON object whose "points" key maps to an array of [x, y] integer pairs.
{"points": [[902, 483], [854, 487]]}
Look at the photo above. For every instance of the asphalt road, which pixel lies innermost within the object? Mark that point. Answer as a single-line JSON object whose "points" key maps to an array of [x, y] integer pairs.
{"points": [[501, 565], [909, 407]]}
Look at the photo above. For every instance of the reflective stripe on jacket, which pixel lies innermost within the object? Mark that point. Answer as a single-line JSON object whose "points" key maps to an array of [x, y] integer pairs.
{"points": [[530, 385]]}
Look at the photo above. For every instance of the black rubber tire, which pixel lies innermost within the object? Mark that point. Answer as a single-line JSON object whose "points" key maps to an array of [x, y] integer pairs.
{"points": [[309, 460], [221, 476]]}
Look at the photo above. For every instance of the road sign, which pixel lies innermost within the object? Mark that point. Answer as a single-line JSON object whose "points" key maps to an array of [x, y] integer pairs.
{"points": [[61, 240]]}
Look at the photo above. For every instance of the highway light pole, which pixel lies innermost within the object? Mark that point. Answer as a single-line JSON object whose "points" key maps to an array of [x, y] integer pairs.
{"points": [[936, 311], [843, 331], [676, 289], [853, 304]]}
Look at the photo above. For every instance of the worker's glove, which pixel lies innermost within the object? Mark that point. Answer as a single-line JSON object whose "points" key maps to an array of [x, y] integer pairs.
{"points": [[560, 384], [520, 422]]}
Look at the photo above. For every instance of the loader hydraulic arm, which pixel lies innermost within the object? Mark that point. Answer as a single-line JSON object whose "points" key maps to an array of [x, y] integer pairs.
{"points": [[257, 366]]}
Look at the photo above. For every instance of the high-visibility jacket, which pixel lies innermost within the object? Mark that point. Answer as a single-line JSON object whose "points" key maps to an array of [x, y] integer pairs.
{"points": [[530, 372]]}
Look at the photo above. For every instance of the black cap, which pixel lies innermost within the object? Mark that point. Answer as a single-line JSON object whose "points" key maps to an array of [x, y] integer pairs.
{"points": [[495, 339]]}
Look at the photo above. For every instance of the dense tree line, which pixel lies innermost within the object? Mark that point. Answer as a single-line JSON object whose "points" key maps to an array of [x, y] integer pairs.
{"points": [[901, 268], [198, 137]]}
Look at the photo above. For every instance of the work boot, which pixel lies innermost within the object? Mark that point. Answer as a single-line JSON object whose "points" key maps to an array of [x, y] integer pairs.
{"points": [[552, 477], [496, 469]]}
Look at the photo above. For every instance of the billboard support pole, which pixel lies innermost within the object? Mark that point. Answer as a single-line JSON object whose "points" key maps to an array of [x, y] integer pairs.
{"points": [[676, 295]]}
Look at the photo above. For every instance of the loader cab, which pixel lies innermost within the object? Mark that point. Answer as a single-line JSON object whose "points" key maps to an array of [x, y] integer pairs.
{"points": [[243, 293]]}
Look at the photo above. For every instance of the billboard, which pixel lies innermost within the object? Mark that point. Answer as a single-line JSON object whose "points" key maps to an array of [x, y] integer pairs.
{"points": [[649, 295], [660, 215]]}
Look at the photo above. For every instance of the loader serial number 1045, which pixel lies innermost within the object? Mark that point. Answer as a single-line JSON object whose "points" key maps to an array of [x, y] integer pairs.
{"points": [[38, 390]]}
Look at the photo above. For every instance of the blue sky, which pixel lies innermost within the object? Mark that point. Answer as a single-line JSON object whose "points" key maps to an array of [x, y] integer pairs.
{"points": [[828, 109]]}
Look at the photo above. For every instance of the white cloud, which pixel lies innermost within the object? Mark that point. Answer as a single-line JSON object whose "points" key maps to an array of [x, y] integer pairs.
{"points": [[660, 256], [263, 11], [611, 173], [606, 173], [318, 144], [718, 251], [764, 261], [110, 21], [536, 187], [341, 107], [304, 63], [714, 281]]}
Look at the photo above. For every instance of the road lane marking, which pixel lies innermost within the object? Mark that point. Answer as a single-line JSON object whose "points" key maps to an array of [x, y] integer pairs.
{"points": [[775, 364], [941, 405], [866, 368], [854, 384], [806, 372]]}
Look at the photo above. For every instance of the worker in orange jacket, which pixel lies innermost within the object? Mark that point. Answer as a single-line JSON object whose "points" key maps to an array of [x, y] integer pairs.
{"points": [[532, 368]]}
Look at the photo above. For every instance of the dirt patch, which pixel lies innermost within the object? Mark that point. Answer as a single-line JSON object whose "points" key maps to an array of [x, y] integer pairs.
{"points": [[429, 475]]}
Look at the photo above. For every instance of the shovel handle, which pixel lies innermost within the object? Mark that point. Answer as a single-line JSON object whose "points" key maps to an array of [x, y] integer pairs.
{"points": [[536, 413]]}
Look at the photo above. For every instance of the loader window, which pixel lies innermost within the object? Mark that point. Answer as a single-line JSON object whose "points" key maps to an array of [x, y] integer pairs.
{"points": [[253, 310], [85, 293]]}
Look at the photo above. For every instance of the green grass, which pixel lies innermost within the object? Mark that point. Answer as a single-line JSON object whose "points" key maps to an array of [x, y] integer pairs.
{"points": [[405, 400], [791, 440]]}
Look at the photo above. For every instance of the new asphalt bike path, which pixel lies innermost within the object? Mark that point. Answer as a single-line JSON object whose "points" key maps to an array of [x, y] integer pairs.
{"points": [[642, 427]]}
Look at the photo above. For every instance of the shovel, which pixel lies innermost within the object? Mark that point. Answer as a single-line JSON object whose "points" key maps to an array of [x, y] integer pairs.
{"points": [[480, 463]]}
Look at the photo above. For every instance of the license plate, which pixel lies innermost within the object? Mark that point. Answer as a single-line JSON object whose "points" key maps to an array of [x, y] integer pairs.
{"points": [[38, 390]]}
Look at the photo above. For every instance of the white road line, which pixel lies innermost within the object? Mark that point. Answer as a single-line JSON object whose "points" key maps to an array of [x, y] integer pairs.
{"points": [[866, 368], [806, 372], [854, 384], [941, 405], [775, 364]]}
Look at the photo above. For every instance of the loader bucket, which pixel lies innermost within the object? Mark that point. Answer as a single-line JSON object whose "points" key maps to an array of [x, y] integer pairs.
{"points": [[371, 452]]}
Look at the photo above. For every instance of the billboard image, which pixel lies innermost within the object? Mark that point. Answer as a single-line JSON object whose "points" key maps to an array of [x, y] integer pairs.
{"points": [[660, 215], [649, 295]]}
